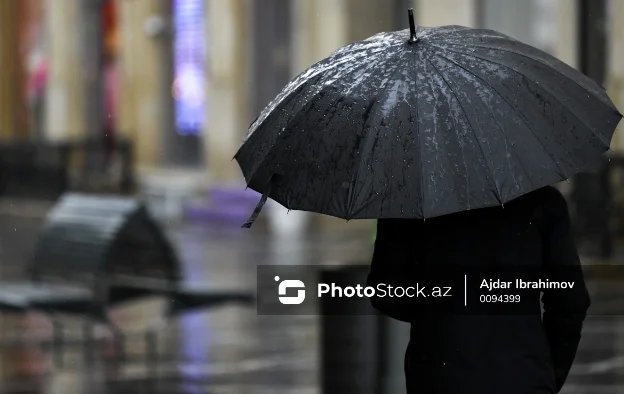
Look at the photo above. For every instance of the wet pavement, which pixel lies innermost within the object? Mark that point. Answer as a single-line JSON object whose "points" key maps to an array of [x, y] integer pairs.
{"points": [[230, 349]]}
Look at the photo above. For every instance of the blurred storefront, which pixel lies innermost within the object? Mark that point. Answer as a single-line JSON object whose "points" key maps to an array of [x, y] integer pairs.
{"points": [[615, 74], [183, 79], [181, 53]]}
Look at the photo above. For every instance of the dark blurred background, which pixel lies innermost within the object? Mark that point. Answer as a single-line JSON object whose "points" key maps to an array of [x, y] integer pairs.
{"points": [[108, 106]]}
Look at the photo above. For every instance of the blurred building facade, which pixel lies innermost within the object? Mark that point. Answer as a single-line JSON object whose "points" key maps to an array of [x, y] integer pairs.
{"points": [[183, 79]]}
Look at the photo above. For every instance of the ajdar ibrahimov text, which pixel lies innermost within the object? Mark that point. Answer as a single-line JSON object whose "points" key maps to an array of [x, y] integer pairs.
{"points": [[491, 284]]}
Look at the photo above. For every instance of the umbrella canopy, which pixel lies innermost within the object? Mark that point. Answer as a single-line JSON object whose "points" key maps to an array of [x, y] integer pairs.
{"points": [[422, 123]]}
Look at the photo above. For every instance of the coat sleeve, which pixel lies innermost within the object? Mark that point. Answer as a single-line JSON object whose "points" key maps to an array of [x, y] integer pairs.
{"points": [[390, 266], [564, 310]]}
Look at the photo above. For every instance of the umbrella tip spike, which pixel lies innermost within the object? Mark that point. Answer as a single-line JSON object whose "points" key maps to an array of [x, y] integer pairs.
{"points": [[412, 24]]}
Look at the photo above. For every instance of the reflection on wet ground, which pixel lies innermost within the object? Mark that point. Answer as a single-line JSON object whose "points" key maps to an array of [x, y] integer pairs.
{"points": [[230, 349]]}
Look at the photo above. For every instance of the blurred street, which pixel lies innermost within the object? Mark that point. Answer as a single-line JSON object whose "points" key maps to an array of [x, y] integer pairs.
{"points": [[234, 350], [228, 350]]}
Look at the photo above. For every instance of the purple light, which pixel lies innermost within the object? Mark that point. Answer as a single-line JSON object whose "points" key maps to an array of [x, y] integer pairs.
{"points": [[189, 85]]}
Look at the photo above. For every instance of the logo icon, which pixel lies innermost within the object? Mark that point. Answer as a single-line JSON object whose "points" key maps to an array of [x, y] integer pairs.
{"points": [[289, 284]]}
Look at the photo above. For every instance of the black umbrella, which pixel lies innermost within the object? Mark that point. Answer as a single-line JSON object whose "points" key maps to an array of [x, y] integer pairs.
{"points": [[425, 122]]}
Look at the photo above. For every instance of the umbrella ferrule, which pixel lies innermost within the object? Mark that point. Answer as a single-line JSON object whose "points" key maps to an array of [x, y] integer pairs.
{"points": [[413, 38]]}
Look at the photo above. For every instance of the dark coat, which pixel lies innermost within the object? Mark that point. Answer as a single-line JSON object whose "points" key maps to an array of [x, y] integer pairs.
{"points": [[498, 354]]}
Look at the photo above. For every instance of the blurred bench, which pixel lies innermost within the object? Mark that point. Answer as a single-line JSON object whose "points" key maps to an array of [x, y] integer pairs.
{"points": [[95, 253]]}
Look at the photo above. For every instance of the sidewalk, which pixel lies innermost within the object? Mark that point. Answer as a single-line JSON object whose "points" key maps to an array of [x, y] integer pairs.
{"points": [[235, 350], [231, 349]]}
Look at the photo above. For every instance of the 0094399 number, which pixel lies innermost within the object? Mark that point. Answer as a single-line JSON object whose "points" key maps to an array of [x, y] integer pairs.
{"points": [[499, 298]]}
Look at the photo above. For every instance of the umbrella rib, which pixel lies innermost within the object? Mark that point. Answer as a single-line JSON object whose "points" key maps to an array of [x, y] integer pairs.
{"points": [[542, 88], [492, 89], [498, 194], [435, 88], [526, 56], [366, 138], [524, 121], [373, 60], [301, 179], [302, 79], [290, 96], [422, 171], [294, 87], [293, 96], [337, 102]]}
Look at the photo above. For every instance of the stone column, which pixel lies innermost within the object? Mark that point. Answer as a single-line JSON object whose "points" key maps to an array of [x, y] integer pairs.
{"points": [[145, 77], [567, 32], [615, 70], [64, 95], [319, 28], [13, 110], [91, 49], [227, 31], [369, 17], [446, 12], [127, 65], [514, 18]]}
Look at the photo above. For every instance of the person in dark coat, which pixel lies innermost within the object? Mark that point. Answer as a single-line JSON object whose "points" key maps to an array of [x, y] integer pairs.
{"points": [[462, 353]]}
